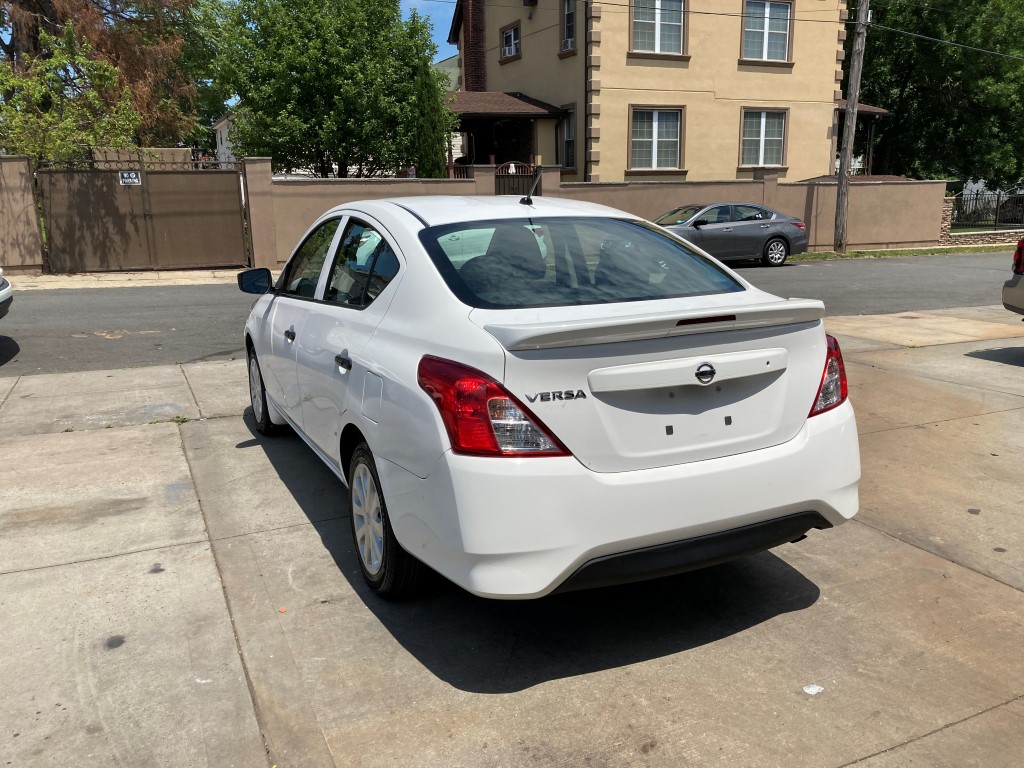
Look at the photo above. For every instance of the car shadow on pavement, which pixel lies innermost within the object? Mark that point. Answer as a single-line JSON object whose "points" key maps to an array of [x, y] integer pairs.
{"points": [[1004, 355], [9, 349], [493, 646]]}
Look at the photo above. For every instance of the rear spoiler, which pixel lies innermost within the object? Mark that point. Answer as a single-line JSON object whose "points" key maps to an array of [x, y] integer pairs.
{"points": [[608, 330]]}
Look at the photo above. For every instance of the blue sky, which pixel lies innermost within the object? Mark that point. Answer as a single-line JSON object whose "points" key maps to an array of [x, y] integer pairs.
{"points": [[439, 12]]}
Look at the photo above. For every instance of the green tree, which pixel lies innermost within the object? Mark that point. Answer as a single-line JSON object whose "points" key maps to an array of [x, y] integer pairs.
{"points": [[334, 86], [955, 112], [63, 103]]}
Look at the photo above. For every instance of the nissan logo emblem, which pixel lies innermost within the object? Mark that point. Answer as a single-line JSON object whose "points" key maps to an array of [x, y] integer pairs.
{"points": [[705, 373]]}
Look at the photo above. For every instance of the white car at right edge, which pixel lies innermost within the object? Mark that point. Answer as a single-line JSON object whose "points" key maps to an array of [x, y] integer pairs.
{"points": [[537, 395], [1013, 289]]}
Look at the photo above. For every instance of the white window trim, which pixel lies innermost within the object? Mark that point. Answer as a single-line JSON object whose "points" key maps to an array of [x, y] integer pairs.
{"points": [[765, 31], [654, 140], [761, 138], [657, 27], [513, 34]]}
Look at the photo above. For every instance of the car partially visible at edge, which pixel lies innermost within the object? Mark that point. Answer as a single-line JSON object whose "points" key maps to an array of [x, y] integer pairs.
{"points": [[6, 294], [1013, 289]]}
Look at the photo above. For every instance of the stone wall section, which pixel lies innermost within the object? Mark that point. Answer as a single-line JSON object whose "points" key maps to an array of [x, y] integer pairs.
{"points": [[993, 237]]}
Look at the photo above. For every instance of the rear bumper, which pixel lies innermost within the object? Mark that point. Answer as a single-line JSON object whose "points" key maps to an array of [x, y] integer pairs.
{"points": [[521, 528]]}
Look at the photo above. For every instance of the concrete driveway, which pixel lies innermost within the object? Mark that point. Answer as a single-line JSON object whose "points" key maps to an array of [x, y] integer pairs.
{"points": [[176, 590]]}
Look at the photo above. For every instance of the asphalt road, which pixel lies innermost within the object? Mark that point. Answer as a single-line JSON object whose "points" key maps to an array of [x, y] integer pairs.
{"points": [[50, 331]]}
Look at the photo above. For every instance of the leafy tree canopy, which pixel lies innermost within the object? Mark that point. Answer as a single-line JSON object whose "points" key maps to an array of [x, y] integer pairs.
{"points": [[335, 86], [63, 103], [956, 113], [141, 39]]}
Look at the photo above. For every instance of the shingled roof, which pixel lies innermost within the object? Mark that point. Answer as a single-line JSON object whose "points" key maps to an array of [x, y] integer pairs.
{"points": [[498, 104]]}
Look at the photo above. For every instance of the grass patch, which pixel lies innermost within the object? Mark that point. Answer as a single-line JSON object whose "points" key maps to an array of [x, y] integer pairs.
{"points": [[939, 250], [174, 420]]}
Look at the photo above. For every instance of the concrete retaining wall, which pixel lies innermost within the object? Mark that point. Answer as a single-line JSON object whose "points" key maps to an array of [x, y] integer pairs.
{"points": [[881, 215], [21, 243]]}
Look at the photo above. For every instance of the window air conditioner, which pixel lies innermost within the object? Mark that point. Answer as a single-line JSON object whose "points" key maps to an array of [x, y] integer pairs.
{"points": [[507, 51], [568, 44]]}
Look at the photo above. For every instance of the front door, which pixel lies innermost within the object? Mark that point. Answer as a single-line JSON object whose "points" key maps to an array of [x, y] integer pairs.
{"points": [[292, 307], [716, 237]]}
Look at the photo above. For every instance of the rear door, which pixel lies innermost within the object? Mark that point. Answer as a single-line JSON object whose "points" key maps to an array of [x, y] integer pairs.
{"points": [[751, 229]]}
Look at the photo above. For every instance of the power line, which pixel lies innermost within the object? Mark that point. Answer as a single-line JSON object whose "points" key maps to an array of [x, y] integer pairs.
{"points": [[1014, 56]]}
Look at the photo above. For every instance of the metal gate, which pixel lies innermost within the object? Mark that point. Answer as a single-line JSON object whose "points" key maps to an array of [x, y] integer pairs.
{"points": [[111, 216], [515, 179]]}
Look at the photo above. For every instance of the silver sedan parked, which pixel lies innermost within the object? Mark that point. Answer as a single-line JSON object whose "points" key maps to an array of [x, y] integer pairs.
{"points": [[738, 231]]}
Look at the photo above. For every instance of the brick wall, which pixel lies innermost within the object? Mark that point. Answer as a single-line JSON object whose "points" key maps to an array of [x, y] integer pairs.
{"points": [[474, 63]]}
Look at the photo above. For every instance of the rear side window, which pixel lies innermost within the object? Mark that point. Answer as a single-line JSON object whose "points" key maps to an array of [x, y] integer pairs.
{"points": [[303, 271], [364, 266], [519, 263]]}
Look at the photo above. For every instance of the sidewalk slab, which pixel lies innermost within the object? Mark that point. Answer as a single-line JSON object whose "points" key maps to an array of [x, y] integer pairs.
{"points": [[6, 385], [993, 739], [919, 329], [707, 668], [126, 660], [252, 483], [219, 388], [890, 400], [69, 497], [996, 365], [89, 400], [952, 488]]}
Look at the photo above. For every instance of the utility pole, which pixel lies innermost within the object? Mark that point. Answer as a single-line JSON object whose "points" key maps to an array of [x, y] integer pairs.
{"points": [[850, 124]]}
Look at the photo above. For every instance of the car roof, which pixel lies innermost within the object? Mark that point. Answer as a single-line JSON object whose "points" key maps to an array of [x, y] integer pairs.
{"points": [[434, 210]]}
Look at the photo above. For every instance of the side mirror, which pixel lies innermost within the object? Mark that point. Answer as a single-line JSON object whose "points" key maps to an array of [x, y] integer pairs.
{"points": [[254, 280], [700, 223]]}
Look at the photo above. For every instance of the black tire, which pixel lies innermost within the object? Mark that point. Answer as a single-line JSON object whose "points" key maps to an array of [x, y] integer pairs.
{"points": [[388, 569], [776, 251], [258, 397]]}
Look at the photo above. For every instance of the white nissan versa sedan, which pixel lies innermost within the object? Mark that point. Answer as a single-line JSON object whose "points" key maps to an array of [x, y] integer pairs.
{"points": [[537, 395]]}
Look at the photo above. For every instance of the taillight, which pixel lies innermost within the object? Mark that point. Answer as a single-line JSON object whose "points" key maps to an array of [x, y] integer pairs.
{"points": [[799, 225], [482, 418], [1018, 258], [833, 388]]}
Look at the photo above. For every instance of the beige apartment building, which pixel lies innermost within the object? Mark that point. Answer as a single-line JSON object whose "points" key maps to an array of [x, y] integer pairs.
{"points": [[652, 89]]}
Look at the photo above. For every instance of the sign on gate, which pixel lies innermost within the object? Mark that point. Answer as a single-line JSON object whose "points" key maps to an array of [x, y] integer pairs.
{"points": [[131, 179]]}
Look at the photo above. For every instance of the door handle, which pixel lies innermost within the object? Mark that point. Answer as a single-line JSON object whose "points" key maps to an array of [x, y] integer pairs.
{"points": [[765, 226], [727, 229], [289, 334], [343, 362]]}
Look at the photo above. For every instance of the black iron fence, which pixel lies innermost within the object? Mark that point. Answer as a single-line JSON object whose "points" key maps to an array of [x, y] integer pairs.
{"points": [[988, 210]]}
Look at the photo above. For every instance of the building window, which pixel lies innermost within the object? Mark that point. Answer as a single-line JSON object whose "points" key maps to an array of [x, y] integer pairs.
{"points": [[510, 46], [569, 139], [766, 31], [658, 26], [654, 139], [568, 25], [764, 138]]}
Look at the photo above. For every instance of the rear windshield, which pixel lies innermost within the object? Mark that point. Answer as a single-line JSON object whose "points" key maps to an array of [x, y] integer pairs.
{"points": [[510, 264]]}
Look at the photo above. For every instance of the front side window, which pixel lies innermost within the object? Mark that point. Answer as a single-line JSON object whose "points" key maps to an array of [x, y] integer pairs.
{"points": [[658, 26], [510, 42], [764, 138], [303, 272], [565, 261], [364, 266], [655, 139], [569, 140], [766, 31]]}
